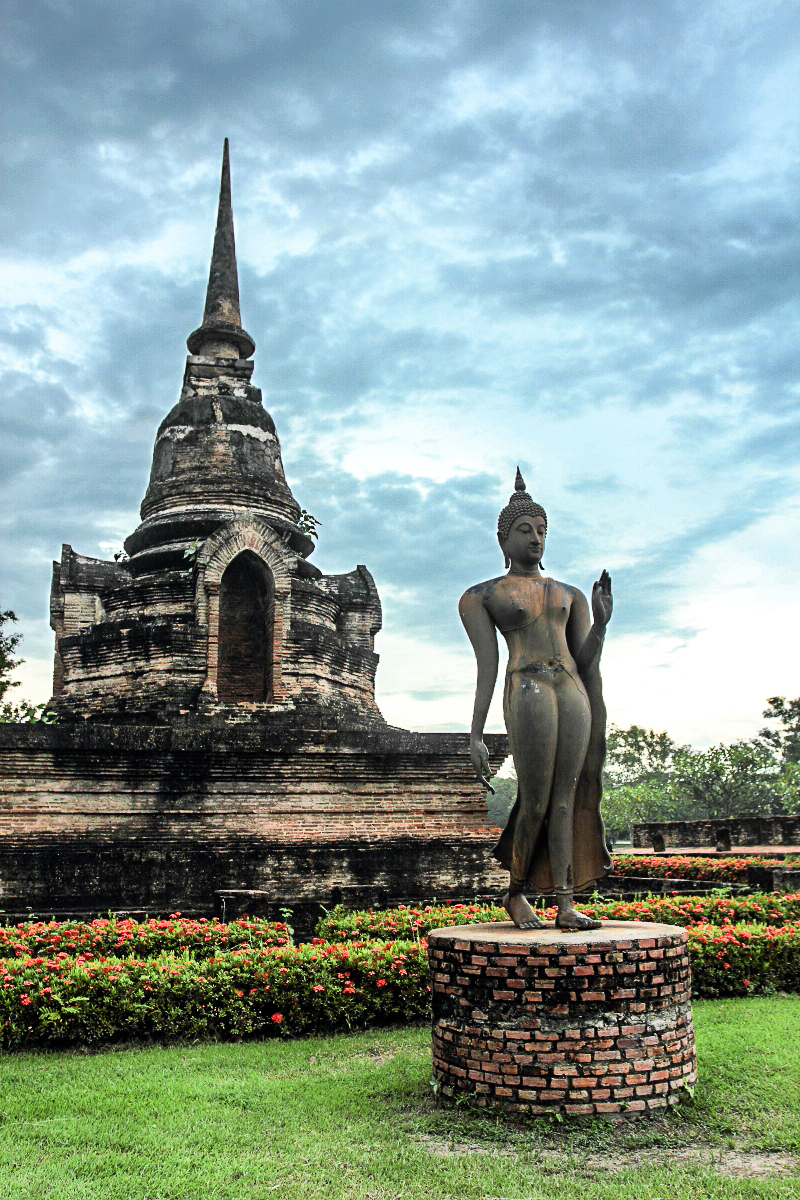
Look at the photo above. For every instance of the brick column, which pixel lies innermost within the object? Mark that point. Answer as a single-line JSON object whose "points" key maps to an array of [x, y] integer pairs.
{"points": [[598, 1022], [212, 652]]}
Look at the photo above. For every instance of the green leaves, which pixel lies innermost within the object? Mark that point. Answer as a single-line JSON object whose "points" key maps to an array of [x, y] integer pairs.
{"points": [[785, 739], [738, 946], [648, 777], [8, 644], [23, 712], [308, 524], [278, 991]]}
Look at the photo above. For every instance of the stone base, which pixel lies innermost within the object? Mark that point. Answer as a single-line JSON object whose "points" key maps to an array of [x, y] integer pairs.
{"points": [[161, 817], [540, 1021]]}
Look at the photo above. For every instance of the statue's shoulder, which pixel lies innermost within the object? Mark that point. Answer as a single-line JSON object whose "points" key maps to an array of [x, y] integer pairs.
{"points": [[479, 597], [485, 589], [573, 593]]}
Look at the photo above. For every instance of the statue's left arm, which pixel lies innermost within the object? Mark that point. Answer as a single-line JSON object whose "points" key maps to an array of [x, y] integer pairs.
{"points": [[585, 640], [591, 858]]}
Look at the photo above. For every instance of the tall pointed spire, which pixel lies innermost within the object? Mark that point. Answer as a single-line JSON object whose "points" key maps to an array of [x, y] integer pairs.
{"points": [[221, 332]]}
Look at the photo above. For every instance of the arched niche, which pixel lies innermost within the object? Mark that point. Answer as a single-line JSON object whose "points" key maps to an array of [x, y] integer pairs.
{"points": [[244, 638], [264, 574]]}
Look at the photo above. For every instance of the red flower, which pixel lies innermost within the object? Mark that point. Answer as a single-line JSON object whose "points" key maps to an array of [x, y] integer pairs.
{"points": [[25, 998], [277, 1018], [319, 987]]}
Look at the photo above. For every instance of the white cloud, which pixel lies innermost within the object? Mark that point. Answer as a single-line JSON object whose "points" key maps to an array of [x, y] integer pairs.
{"points": [[468, 236]]}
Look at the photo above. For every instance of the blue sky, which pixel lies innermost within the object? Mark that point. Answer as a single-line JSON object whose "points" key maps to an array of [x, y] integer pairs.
{"points": [[469, 234]]}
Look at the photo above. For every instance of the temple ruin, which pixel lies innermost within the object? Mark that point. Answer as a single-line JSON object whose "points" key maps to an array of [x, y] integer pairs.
{"points": [[218, 738], [216, 605]]}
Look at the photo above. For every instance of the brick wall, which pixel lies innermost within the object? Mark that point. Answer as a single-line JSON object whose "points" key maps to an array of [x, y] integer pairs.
{"points": [[96, 817], [740, 831], [592, 1023]]}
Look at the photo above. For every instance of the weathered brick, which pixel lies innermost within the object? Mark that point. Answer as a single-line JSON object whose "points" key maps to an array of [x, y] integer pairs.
{"points": [[580, 1058]]}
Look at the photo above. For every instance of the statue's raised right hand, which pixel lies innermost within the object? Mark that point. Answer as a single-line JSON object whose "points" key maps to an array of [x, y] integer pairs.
{"points": [[479, 757], [602, 600]]}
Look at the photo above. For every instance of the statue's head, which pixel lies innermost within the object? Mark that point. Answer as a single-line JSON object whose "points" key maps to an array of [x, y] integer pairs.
{"points": [[519, 505]]}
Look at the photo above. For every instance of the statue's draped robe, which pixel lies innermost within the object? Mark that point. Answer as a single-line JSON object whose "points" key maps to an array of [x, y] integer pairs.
{"points": [[590, 856]]}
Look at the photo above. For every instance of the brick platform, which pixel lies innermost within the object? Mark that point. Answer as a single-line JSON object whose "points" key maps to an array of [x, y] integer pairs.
{"points": [[593, 1023]]}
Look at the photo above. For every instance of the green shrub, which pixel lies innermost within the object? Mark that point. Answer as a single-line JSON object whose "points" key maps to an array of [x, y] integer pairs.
{"points": [[139, 939], [293, 990], [739, 960], [685, 866], [416, 921], [284, 990], [407, 921], [772, 909]]}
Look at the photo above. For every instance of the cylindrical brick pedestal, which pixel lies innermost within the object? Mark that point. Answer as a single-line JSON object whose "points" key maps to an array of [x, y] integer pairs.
{"points": [[597, 1022]]}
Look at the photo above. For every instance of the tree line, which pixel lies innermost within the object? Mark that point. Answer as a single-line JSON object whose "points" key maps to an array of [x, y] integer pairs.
{"points": [[649, 777]]}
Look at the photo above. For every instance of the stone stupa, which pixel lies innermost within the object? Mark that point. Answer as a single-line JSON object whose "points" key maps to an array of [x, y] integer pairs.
{"points": [[218, 747], [216, 607]]}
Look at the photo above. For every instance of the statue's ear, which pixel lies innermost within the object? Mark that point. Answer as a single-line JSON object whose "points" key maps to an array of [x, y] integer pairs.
{"points": [[506, 559]]}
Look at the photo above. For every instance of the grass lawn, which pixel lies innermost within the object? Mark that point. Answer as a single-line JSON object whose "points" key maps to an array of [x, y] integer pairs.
{"points": [[355, 1116]]}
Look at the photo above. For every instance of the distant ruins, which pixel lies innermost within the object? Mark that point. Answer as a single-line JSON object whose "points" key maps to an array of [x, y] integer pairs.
{"points": [[218, 744]]}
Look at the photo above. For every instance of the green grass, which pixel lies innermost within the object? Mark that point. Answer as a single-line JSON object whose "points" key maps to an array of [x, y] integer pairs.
{"points": [[355, 1116]]}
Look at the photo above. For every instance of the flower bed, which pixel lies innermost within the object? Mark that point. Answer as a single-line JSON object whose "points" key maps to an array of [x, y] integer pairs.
{"points": [[739, 960], [137, 939], [685, 866], [416, 921], [285, 990], [772, 908], [408, 921], [208, 990]]}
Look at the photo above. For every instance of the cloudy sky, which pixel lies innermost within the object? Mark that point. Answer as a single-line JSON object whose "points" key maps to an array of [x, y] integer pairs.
{"points": [[470, 234]]}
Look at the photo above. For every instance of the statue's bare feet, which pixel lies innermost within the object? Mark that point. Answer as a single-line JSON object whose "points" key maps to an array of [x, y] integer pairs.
{"points": [[570, 918], [521, 912]]}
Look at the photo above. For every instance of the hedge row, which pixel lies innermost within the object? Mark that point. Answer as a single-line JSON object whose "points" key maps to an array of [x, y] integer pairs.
{"points": [[341, 925], [738, 960], [766, 909], [285, 990], [292, 990], [138, 939], [685, 866], [407, 921]]}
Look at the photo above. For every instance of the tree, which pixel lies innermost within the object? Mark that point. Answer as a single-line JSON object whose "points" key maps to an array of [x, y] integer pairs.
{"points": [[638, 755], [643, 801], [502, 802], [24, 711], [649, 777], [8, 644], [637, 779], [729, 781], [786, 739]]}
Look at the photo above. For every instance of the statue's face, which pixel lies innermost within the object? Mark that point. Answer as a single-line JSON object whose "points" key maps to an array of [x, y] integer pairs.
{"points": [[525, 542]]}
